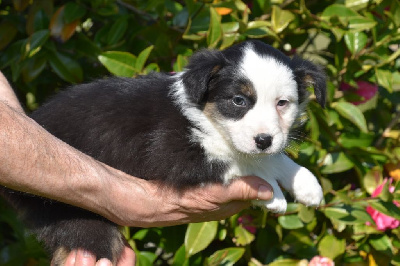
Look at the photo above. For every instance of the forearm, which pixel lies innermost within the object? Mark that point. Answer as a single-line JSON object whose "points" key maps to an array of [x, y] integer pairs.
{"points": [[7, 95], [34, 161]]}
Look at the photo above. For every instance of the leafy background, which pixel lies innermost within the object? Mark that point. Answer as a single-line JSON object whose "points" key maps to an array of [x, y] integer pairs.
{"points": [[352, 146]]}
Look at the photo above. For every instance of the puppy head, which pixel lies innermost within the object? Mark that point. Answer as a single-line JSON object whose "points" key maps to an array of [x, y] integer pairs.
{"points": [[251, 93]]}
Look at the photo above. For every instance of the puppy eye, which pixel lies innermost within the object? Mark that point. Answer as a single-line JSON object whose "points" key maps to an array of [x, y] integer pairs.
{"points": [[239, 101], [282, 103]]}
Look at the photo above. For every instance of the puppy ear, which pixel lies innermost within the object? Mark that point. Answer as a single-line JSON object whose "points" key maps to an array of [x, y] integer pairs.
{"points": [[202, 66], [308, 74]]}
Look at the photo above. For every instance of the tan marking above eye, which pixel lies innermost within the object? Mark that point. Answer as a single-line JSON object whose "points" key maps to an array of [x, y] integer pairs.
{"points": [[247, 90]]}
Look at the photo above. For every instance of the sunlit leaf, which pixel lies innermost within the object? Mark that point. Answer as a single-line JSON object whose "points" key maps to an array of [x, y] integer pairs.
{"points": [[348, 214], [331, 247], [242, 236], [215, 30], [226, 256], [352, 113], [290, 221], [281, 18], [198, 236], [119, 63], [336, 163], [355, 41], [142, 58]]}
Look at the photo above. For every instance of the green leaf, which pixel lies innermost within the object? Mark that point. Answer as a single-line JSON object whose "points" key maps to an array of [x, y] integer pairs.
{"points": [[306, 214], [36, 41], [33, 67], [117, 31], [214, 33], [142, 58], [288, 262], [198, 236], [382, 244], [357, 4], [352, 113], [372, 179], [73, 11], [337, 10], [242, 236], [355, 41], [348, 214], [331, 247], [66, 68], [180, 257], [347, 17], [290, 221], [281, 18], [359, 139], [119, 63], [230, 27], [181, 62], [226, 257], [360, 23], [385, 79], [388, 208], [146, 258], [336, 163]]}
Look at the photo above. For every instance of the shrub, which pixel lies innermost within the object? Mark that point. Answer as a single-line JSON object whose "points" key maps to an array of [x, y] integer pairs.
{"points": [[352, 146]]}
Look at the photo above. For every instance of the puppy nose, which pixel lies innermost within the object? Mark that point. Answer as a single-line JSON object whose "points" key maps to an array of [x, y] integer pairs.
{"points": [[263, 141]]}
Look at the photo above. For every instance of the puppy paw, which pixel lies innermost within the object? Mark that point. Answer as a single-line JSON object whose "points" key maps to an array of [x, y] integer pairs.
{"points": [[306, 189], [275, 205]]}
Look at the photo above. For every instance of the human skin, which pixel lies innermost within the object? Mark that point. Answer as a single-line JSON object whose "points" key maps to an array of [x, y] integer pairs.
{"points": [[36, 162]]}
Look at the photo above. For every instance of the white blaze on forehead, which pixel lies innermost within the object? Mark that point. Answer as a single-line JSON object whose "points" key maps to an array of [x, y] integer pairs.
{"points": [[271, 79]]}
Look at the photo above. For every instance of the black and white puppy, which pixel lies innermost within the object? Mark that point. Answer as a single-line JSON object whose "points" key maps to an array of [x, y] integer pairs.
{"points": [[228, 114]]}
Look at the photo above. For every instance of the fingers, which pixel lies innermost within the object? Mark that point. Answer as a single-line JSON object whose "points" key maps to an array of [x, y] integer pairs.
{"points": [[84, 258], [249, 188], [128, 257], [80, 257]]}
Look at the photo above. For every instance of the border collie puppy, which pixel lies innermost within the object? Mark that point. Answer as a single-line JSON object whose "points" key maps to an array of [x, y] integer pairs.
{"points": [[228, 114]]}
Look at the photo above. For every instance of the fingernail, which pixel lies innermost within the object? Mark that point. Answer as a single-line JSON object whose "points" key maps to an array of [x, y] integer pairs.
{"points": [[87, 254], [265, 192], [104, 262]]}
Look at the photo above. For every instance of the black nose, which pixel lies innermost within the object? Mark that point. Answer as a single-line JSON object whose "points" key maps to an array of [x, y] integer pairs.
{"points": [[263, 141]]}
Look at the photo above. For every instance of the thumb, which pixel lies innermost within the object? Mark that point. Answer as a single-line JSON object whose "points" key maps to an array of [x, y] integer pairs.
{"points": [[250, 188]]}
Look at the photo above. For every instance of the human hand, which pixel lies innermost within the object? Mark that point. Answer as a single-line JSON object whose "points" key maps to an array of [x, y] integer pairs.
{"points": [[83, 258], [148, 204]]}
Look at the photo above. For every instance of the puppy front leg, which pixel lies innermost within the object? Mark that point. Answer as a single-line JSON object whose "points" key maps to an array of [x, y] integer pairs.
{"points": [[299, 181], [278, 203]]}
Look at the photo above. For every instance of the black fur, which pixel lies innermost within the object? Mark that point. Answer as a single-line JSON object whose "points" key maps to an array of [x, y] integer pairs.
{"points": [[134, 125]]}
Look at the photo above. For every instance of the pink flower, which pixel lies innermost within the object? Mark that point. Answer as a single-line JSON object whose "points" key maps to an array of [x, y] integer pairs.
{"points": [[382, 221], [365, 89], [321, 261], [247, 222]]}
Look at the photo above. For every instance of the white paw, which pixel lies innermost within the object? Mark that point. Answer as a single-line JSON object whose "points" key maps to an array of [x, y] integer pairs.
{"points": [[275, 205], [306, 188]]}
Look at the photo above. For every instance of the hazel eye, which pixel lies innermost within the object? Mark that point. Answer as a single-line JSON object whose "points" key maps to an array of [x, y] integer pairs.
{"points": [[282, 103], [239, 101]]}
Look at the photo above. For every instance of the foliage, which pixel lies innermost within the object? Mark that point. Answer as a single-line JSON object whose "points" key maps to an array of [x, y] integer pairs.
{"points": [[350, 146]]}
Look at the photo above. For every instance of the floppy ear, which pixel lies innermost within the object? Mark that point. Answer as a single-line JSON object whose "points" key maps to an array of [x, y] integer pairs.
{"points": [[308, 74], [202, 66]]}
